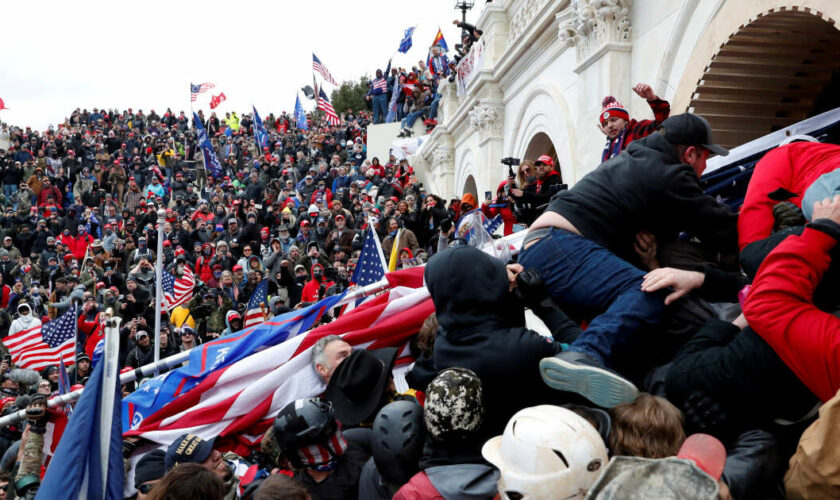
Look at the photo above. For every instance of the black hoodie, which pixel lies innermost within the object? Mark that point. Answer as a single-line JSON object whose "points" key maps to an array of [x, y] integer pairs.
{"points": [[482, 329]]}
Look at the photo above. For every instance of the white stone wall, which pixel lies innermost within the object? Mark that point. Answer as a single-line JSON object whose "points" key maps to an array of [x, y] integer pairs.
{"points": [[549, 63]]}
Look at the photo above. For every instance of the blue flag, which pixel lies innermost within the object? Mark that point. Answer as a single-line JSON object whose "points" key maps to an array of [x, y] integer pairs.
{"points": [[64, 385], [260, 135], [222, 352], [93, 220], [300, 115], [405, 43], [211, 162], [76, 469], [392, 106]]}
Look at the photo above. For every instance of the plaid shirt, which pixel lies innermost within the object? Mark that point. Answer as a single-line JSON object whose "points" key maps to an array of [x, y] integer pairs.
{"points": [[637, 129]]}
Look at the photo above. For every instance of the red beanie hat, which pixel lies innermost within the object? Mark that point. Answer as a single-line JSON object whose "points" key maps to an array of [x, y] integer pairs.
{"points": [[611, 107]]}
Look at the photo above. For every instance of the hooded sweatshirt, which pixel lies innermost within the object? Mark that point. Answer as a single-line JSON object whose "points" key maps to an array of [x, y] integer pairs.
{"points": [[310, 289], [482, 329], [24, 322]]}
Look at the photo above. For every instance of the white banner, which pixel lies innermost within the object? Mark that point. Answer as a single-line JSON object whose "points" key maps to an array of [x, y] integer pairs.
{"points": [[469, 66]]}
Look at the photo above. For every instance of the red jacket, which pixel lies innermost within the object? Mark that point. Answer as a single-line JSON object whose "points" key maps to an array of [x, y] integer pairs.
{"points": [[507, 214], [327, 194], [418, 488], [780, 309], [45, 193], [77, 245], [92, 331], [793, 167], [310, 289]]}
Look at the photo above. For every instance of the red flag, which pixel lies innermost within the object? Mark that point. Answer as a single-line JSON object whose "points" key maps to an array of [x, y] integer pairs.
{"points": [[2, 105], [217, 99]]}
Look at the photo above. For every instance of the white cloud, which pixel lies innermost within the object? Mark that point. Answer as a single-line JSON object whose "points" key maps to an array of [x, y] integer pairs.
{"points": [[113, 54]]}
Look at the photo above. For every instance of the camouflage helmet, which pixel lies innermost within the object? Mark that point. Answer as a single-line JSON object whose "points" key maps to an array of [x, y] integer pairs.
{"points": [[454, 404]]}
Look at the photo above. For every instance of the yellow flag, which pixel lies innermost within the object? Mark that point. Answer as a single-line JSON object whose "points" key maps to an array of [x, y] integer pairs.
{"points": [[395, 252]]}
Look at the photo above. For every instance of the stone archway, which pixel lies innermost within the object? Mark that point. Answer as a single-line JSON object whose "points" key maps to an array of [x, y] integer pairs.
{"points": [[470, 187], [774, 71], [540, 145]]}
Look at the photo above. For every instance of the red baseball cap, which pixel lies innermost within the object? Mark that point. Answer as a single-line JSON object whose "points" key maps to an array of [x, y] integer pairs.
{"points": [[237, 267], [545, 159]]}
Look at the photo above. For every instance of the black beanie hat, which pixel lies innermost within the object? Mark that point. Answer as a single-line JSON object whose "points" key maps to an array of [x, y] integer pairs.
{"points": [[149, 467]]}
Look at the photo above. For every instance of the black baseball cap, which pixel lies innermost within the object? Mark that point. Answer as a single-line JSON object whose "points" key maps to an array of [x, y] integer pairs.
{"points": [[188, 448], [688, 128]]}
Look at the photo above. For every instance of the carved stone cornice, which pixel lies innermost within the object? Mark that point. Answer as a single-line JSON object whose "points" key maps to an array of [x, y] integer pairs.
{"points": [[487, 119], [592, 24], [523, 18]]}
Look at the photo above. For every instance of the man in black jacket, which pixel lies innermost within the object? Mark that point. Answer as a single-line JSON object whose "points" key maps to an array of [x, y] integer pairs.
{"points": [[575, 246]]}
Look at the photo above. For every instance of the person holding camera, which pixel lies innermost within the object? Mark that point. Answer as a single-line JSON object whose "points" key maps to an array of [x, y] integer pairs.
{"points": [[501, 204]]}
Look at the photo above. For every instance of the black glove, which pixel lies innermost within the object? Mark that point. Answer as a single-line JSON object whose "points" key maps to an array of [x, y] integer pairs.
{"points": [[36, 412], [704, 413], [531, 286], [785, 215]]}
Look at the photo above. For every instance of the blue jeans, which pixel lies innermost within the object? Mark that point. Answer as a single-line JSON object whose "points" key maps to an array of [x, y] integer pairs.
{"points": [[582, 273], [380, 108], [9, 190], [434, 108], [408, 121]]}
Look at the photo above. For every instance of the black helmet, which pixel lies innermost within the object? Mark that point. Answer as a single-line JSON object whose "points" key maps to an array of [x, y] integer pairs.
{"points": [[398, 441], [301, 423]]}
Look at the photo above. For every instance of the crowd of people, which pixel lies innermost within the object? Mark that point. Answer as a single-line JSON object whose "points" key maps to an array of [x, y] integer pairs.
{"points": [[686, 341]]}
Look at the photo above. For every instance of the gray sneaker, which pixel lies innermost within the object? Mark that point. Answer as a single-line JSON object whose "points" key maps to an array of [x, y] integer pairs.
{"points": [[577, 372]]}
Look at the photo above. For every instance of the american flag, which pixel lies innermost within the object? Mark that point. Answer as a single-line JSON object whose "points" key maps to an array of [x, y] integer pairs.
{"points": [[325, 106], [320, 68], [179, 291], [254, 313], [199, 89], [45, 345], [371, 265], [238, 402], [381, 84]]}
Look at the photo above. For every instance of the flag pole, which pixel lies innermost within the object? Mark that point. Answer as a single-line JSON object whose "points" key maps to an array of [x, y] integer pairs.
{"points": [[75, 331], [161, 216], [108, 394]]}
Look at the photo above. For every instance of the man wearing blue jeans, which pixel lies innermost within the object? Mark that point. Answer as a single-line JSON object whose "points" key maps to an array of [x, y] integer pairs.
{"points": [[652, 185], [378, 95]]}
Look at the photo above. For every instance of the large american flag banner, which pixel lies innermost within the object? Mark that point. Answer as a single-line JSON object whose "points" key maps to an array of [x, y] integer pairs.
{"points": [[177, 292], [254, 313], [318, 66], [199, 89], [211, 357], [325, 106], [238, 402], [45, 345]]}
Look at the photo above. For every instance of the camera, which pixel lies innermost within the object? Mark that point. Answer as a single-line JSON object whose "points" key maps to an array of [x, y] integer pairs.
{"points": [[510, 161]]}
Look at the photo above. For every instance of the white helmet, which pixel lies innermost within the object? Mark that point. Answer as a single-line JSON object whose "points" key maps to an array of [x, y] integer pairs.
{"points": [[546, 452]]}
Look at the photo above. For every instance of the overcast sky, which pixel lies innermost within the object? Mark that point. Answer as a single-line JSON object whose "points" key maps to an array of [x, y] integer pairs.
{"points": [[62, 55]]}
